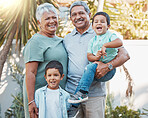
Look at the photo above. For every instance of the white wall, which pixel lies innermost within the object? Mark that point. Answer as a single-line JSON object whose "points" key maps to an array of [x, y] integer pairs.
{"points": [[137, 67]]}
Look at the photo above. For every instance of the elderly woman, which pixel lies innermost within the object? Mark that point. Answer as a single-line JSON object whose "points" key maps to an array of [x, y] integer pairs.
{"points": [[43, 47]]}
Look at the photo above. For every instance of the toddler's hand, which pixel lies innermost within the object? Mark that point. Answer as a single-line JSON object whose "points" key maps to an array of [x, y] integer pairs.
{"points": [[99, 54], [103, 49]]}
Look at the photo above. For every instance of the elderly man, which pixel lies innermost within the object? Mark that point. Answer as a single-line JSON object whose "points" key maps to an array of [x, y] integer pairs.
{"points": [[76, 44]]}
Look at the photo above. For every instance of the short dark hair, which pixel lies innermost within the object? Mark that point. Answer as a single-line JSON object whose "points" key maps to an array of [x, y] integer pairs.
{"points": [[104, 14], [54, 64]]}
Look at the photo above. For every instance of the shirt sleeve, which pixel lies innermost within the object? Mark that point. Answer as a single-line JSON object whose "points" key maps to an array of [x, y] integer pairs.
{"points": [[68, 105], [33, 51], [37, 99], [113, 37]]}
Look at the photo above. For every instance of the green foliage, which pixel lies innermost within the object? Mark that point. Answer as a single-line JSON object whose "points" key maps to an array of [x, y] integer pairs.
{"points": [[124, 112], [16, 110], [22, 14], [92, 7], [121, 111], [109, 107], [130, 20]]}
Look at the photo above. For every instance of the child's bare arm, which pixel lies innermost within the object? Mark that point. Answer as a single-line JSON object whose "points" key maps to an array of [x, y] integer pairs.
{"points": [[113, 44], [93, 58]]}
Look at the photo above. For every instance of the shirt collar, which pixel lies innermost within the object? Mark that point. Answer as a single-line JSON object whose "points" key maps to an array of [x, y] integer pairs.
{"points": [[89, 30], [45, 89], [103, 35]]}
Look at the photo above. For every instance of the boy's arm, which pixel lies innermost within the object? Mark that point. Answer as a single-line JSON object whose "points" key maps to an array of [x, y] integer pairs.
{"points": [[120, 59], [113, 44], [91, 57]]}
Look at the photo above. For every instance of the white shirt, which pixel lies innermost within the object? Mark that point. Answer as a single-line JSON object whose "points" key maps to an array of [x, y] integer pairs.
{"points": [[52, 104]]}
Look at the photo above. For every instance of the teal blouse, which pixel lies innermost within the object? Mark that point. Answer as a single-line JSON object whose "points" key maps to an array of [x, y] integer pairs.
{"points": [[44, 49]]}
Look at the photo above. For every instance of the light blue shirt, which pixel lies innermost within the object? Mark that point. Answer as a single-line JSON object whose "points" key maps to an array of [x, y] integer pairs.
{"points": [[40, 100], [97, 42], [76, 46]]}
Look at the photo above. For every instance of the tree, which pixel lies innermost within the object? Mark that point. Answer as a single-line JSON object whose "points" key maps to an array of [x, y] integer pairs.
{"points": [[17, 21], [129, 19]]}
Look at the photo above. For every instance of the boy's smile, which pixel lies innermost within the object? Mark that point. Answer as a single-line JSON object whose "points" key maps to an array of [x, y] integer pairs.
{"points": [[53, 78], [100, 24]]}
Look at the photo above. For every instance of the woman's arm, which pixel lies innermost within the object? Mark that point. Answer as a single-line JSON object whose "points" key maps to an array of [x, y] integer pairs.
{"points": [[31, 71], [120, 59]]}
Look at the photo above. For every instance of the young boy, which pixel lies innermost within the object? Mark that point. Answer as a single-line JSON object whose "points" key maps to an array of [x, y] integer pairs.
{"points": [[103, 47], [52, 99]]}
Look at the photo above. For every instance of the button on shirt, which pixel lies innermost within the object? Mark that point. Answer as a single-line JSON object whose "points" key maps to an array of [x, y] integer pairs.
{"points": [[76, 45]]}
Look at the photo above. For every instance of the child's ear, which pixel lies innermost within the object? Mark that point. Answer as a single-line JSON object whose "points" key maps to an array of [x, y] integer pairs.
{"points": [[108, 26], [62, 76]]}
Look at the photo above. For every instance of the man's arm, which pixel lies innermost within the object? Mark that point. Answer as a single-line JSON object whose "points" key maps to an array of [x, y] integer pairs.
{"points": [[120, 59]]}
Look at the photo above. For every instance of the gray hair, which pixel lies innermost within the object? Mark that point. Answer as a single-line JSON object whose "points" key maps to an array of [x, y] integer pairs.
{"points": [[45, 7], [80, 3]]}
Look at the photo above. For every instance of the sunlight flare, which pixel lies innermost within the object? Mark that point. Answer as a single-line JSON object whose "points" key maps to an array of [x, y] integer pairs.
{"points": [[8, 4]]}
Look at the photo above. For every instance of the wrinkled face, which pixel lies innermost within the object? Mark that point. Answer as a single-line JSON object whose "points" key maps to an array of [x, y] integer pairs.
{"points": [[49, 23], [100, 24], [53, 78], [79, 17]]}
